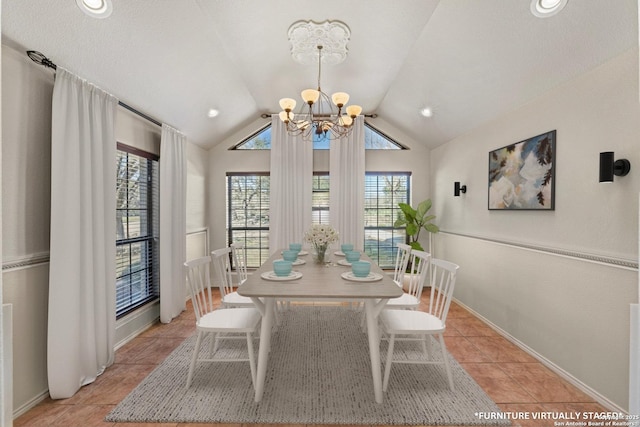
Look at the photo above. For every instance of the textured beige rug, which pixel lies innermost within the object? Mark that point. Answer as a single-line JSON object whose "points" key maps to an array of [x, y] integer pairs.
{"points": [[319, 373]]}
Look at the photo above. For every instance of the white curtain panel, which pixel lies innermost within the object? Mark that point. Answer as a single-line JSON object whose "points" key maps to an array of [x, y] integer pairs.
{"points": [[173, 223], [291, 184], [82, 307], [346, 181]]}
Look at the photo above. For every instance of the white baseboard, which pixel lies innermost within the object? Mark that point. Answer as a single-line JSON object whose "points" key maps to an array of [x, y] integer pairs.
{"points": [[604, 401], [30, 404], [135, 323]]}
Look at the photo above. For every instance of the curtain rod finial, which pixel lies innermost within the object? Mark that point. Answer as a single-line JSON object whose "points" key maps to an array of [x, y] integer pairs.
{"points": [[40, 59]]}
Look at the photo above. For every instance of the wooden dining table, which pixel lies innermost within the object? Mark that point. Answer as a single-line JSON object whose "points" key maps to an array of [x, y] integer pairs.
{"points": [[319, 282]]}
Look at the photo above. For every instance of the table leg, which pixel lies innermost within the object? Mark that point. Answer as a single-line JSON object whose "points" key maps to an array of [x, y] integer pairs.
{"points": [[265, 344], [372, 310]]}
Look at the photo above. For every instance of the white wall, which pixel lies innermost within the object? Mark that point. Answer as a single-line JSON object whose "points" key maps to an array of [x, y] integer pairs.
{"points": [[572, 311], [223, 160], [26, 136], [6, 392], [197, 173]]}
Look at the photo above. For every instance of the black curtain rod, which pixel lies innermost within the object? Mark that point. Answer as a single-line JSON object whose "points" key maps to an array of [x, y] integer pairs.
{"points": [[40, 59]]}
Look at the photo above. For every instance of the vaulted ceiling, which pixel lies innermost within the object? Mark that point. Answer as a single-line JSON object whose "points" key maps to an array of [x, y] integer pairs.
{"points": [[468, 60]]}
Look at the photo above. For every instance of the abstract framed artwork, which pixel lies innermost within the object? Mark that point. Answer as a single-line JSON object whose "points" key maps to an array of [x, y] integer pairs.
{"points": [[522, 175]]}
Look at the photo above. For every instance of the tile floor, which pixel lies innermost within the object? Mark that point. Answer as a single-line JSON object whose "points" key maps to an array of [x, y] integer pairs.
{"points": [[517, 382]]}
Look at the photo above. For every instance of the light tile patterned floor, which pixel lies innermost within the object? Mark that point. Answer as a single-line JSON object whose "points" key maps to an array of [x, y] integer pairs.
{"points": [[517, 382]]}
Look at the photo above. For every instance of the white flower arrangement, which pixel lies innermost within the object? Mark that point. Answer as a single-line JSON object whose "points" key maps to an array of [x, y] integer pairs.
{"points": [[321, 235]]}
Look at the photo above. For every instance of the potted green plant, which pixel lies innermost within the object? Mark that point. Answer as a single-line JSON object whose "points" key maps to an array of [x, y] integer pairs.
{"points": [[416, 220]]}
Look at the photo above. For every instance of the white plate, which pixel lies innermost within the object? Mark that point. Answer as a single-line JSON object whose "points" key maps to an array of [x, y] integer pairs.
{"points": [[298, 261], [344, 262], [302, 253], [372, 277], [270, 275], [339, 253]]}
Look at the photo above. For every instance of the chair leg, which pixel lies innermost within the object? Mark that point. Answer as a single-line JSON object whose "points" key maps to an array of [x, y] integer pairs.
{"points": [[428, 347], [194, 358], [214, 337], [424, 345], [277, 320], [387, 366], [446, 362], [283, 305], [214, 343], [252, 360]]}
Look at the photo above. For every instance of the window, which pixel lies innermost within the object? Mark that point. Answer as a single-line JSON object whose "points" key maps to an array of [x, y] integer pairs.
{"points": [[383, 192], [248, 214], [376, 140], [320, 200], [137, 253], [373, 140], [248, 211], [260, 140]]}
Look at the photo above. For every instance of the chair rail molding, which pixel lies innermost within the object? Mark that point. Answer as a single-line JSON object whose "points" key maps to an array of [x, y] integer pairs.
{"points": [[626, 264], [25, 261]]}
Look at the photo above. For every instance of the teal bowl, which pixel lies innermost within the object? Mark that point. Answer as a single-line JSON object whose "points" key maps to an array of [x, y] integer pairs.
{"points": [[352, 256], [282, 268], [346, 247], [295, 246], [290, 255], [360, 268]]}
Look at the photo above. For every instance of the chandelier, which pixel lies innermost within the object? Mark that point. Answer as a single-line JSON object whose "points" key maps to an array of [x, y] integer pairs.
{"points": [[320, 116]]}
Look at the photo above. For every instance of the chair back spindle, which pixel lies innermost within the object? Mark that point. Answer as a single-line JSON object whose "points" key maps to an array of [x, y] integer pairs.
{"points": [[443, 280], [222, 263], [240, 261], [198, 279], [420, 261], [402, 260]]}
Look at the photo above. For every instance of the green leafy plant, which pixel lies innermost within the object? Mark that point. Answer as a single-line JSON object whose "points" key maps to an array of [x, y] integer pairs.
{"points": [[416, 220]]}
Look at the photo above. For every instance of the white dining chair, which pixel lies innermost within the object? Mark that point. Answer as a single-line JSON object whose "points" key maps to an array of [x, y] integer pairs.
{"points": [[414, 282], [229, 296], [414, 325], [221, 323], [402, 261]]}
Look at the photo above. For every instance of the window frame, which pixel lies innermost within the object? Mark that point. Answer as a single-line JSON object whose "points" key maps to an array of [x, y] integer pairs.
{"points": [[229, 208], [391, 228], [150, 240]]}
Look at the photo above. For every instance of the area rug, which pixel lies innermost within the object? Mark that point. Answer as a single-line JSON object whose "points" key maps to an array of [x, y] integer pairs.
{"points": [[319, 372]]}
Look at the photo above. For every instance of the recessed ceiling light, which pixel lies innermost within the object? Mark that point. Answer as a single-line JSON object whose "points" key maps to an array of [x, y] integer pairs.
{"points": [[426, 112], [546, 8], [96, 8], [213, 112]]}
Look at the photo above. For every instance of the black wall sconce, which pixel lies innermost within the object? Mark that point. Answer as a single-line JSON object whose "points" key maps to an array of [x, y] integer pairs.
{"points": [[610, 167], [457, 189]]}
